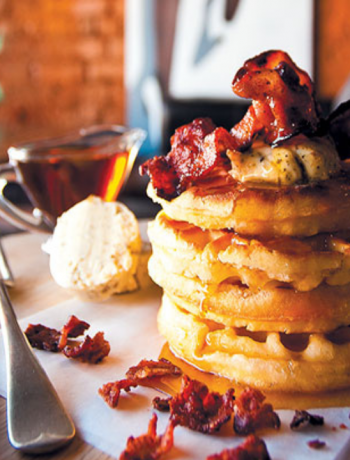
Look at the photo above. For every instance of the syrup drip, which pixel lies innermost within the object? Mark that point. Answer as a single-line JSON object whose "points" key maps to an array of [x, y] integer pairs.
{"points": [[219, 384]]}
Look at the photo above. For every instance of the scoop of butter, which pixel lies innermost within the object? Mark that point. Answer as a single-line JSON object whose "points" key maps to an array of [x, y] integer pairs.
{"points": [[96, 250]]}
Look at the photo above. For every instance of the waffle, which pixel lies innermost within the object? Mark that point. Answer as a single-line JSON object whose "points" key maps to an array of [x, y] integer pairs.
{"points": [[277, 308], [268, 360], [218, 201], [216, 255]]}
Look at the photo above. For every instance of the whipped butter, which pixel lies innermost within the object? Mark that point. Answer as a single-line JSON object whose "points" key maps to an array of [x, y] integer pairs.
{"points": [[95, 249], [300, 161]]}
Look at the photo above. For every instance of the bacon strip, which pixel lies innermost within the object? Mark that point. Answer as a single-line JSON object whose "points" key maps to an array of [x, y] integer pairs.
{"points": [[196, 148], [283, 100]]}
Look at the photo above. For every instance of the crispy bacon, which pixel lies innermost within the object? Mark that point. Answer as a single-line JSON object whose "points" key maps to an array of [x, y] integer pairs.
{"points": [[145, 372], [110, 391], [74, 327], [161, 404], [91, 350], [316, 444], [42, 337], [251, 413], [303, 419], [338, 126], [149, 446], [199, 409], [147, 369], [253, 448], [196, 148], [283, 100]]}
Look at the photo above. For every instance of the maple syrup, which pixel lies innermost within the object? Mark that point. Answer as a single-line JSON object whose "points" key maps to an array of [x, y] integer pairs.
{"points": [[55, 186], [220, 384]]}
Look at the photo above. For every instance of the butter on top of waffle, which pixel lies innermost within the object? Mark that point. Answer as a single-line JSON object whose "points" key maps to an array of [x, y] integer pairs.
{"points": [[300, 160]]}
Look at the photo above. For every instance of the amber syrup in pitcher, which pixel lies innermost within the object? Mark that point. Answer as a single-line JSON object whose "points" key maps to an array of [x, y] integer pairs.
{"points": [[69, 173]]}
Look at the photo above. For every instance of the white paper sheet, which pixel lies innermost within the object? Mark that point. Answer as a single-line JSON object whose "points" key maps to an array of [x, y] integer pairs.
{"points": [[129, 323]]}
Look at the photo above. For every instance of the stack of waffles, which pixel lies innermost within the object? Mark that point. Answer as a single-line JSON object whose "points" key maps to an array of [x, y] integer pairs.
{"points": [[252, 246], [266, 311]]}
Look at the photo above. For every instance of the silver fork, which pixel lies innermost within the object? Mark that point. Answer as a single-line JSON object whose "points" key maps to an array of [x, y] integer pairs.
{"points": [[36, 419]]}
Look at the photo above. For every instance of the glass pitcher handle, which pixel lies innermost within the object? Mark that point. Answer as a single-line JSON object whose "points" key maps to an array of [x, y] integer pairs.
{"points": [[12, 213]]}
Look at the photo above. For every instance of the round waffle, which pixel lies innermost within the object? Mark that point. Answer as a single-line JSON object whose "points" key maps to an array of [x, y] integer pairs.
{"points": [[279, 308], [266, 360], [218, 201], [215, 255]]}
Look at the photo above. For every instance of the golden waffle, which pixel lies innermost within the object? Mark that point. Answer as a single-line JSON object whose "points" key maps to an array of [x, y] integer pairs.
{"points": [[279, 308], [215, 255], [219, 202], [266, 360]]}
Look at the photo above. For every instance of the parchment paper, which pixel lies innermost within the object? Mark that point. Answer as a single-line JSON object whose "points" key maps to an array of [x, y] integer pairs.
{"points": [[129, 323]]}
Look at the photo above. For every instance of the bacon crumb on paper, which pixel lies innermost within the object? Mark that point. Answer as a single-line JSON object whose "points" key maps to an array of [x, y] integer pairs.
{"points": [[252, 414], [92, 350], [144, 373], [199, 409], [42, 337], [316, 444], [303, 419], [161, 404], [147, 369], [149, 446], [110, 391], [253, 448], [74, 327]]}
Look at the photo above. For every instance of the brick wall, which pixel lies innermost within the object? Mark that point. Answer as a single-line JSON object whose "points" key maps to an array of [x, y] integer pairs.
{"points": [[61, 66], [333, 56]]}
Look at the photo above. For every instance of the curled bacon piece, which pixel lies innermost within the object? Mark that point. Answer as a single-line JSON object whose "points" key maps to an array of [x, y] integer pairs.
{"points": [[251, 413], [142, 374], [91, 350], [196, 148], [253, 448], [199, 409], [110, 391], [149, 446], [43, 337], [283, 100], [74, 327]]}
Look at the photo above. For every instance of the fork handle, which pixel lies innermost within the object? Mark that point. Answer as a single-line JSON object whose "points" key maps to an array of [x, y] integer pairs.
{"points": [[37, 421]]}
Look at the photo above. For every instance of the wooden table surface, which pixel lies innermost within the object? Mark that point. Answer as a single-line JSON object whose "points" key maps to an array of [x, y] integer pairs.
{"points": [[29, 264]]}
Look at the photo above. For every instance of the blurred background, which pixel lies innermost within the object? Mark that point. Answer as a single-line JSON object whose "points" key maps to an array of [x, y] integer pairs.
{"points": [[155, 64]]}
